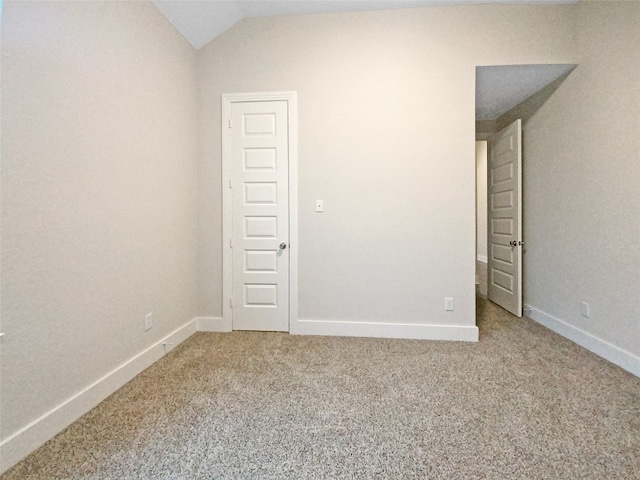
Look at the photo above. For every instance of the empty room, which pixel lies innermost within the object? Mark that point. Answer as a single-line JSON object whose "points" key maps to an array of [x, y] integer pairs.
{"points": [[239, 239]]}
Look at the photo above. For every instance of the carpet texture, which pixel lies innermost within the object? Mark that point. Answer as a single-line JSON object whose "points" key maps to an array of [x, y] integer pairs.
{"points": [[523, 403]]}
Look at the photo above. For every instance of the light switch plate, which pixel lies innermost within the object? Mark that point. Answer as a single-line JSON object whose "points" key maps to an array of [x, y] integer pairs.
{"points": [[319, 205]]}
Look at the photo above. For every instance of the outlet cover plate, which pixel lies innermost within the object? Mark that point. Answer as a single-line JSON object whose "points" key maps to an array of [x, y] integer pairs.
{"points": [[448, 304], [148, 321], [584, 309]]}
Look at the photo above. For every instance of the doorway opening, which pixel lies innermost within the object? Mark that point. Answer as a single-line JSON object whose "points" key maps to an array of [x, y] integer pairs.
{"points": [[506, 96]]}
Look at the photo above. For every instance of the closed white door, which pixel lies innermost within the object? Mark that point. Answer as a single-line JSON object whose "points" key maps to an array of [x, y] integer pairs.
{"points": [[257, 145], [504, 187]]}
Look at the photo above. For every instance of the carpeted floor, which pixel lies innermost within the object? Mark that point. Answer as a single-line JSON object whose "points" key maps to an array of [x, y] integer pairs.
{"points": [[523, 403]]}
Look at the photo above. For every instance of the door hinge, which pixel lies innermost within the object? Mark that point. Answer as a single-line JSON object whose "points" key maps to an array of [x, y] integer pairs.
{"points": [[230, 184], [231, 243], [231, 303], [230, 124]]}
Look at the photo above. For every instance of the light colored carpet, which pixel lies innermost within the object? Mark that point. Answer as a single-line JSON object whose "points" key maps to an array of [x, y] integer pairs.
{"points": [[523, 403]]}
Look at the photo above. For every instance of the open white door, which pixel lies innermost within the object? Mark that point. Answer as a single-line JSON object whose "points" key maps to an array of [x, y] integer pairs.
{"points": [[256, 168], [504, 188]]}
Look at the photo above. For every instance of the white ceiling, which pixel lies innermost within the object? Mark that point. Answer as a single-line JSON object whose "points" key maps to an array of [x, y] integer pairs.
{"points": [[499, 88], [200, 21]]}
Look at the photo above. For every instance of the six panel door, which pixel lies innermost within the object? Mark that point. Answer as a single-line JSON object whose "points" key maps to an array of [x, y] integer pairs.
{"points": [[504, 186], [258, 145]]}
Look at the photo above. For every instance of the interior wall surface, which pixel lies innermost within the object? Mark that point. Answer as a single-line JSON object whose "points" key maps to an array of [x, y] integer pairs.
{"points": [[481, 200], [386, 107], [99, 194], [582, 191]]}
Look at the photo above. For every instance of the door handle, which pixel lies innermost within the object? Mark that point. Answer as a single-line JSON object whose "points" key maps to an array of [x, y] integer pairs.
{"points": [[283, 246], [513, 243]]}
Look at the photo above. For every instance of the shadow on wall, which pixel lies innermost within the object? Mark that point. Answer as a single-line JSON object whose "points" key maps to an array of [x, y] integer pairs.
{"points": [[506, 93]]}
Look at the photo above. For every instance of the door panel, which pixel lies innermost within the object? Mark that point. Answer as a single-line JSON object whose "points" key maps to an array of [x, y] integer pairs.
{"points": [[258, 149], [505, 218]]}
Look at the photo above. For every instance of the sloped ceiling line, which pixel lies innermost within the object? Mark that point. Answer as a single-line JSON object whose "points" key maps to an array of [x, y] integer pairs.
{"points": [[202, 21], [498, 88]]}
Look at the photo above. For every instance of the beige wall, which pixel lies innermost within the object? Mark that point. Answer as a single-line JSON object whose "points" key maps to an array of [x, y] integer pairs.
{"points": [[106, 215], [99, 203], [386, 138], [582, 183]]}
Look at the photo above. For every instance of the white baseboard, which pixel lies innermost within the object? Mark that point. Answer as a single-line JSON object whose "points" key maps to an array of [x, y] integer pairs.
{"points": [[482, 258], [212, 324], [386, 330], [616, 355], [17, 446]]}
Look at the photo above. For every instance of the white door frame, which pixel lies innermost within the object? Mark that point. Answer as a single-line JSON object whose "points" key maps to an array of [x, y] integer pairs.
{"points": [[227, 264]]}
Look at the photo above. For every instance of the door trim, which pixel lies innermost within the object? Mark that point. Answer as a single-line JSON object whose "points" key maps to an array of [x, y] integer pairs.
{"points": [[227, 265]]}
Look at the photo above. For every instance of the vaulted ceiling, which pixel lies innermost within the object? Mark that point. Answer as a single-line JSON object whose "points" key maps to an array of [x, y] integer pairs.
{"points": [[499, 88], [202, 21]]}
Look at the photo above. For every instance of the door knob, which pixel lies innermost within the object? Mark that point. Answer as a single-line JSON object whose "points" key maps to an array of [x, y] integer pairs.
{"points": [[513, 243], [283, 246]]}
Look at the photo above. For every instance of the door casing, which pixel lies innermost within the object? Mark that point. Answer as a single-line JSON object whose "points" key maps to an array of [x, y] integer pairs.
{"points": [[227, 214]]}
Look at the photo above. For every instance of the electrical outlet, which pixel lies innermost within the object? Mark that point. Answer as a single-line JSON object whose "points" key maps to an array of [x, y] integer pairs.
{"points": [[448, 304], [584, 309], [148, 321]]}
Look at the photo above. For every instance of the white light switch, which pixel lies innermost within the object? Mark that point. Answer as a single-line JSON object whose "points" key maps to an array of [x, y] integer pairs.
{"points": [[319, 205]]}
